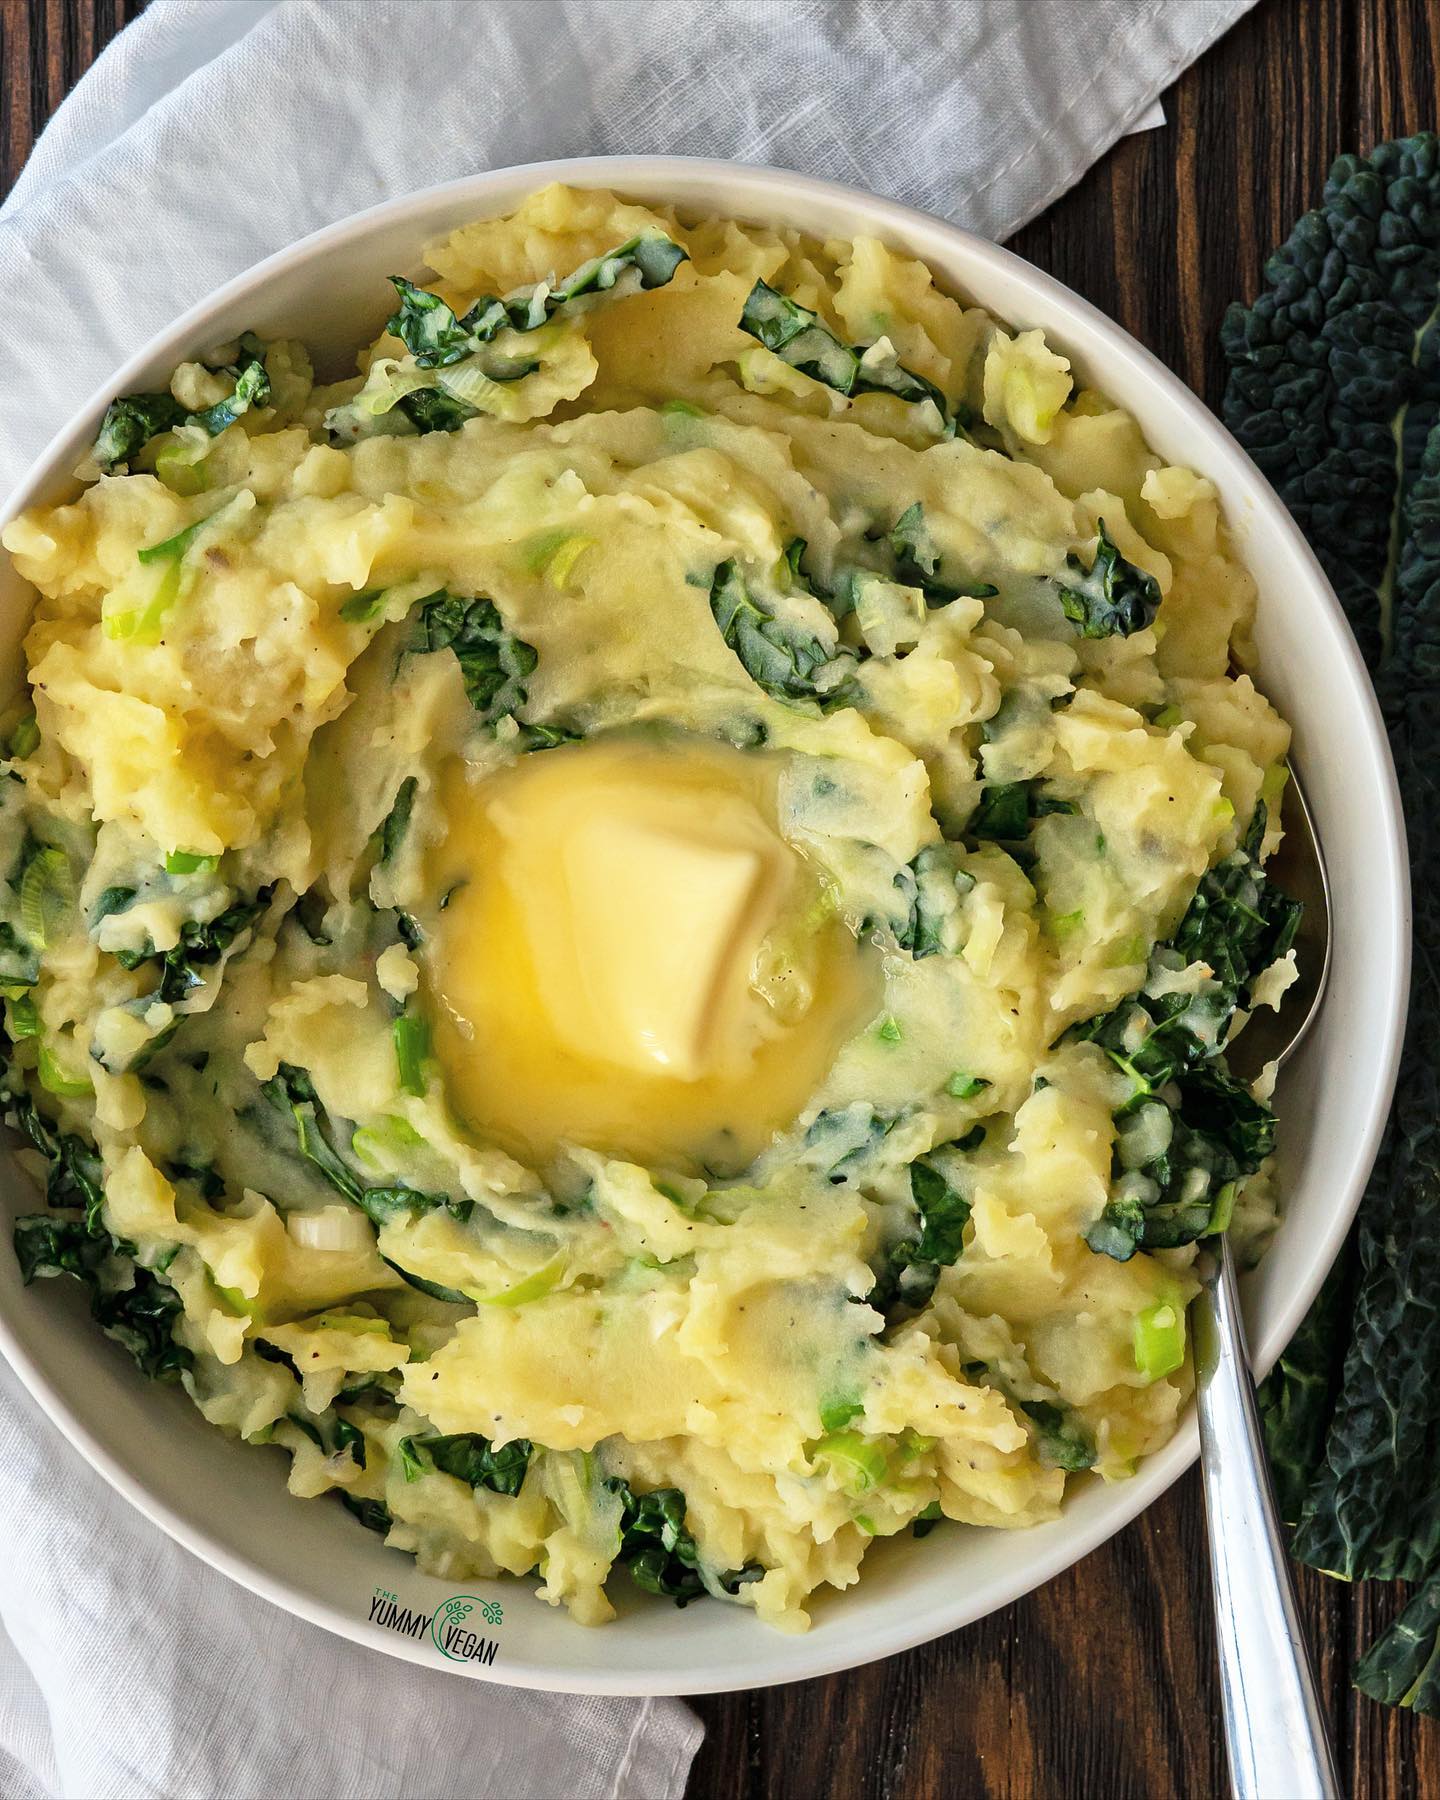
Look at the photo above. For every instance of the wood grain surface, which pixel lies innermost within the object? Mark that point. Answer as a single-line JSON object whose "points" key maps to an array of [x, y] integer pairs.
{"points": [[1101, 1684]]}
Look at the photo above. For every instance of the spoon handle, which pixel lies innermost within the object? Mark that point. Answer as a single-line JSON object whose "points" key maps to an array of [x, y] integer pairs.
{"points": [[1275, 1733]]}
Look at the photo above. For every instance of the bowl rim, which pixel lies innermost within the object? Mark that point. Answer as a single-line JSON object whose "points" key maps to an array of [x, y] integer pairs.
{"points": [[754, 184]]}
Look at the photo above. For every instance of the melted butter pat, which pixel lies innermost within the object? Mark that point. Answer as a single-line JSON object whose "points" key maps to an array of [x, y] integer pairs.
{"points": [[633, 958]]}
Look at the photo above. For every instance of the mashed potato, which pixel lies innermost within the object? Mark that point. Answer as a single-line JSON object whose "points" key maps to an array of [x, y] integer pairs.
{"points": [[620, 930]]}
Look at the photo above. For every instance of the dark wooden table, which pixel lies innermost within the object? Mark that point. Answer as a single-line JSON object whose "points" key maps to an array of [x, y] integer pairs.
{"points": [[1102, 1684]]}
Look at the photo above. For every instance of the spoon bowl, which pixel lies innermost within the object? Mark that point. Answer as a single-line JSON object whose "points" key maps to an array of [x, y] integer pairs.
{"points": [[1298, 869]]}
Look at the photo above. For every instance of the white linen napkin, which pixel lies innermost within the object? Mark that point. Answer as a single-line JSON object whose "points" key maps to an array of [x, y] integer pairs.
{"points": [[209, 134]]}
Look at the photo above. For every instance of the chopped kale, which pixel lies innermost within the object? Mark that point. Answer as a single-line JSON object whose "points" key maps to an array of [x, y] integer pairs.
{"points": [[796, 335], [397, 820], [439, 339], [372, 1514], [493, 661], [252, 388], [451, 1296], [273, 1354], [351, 1439], [1008, 809], [912, 1266], [131, 422], [841, 1141], [1112, 596], [203, 944], [659, 1551], [73, 1176], [1239, 922], [470, 1458], [47, 1246], [431, 409], [1061, 1440], [917, 562], [1189, 1132], [785, 657], [926, 1520], [1218, 1133], [138, 1312], [435, 337], [932, 886], [291, 1091]]}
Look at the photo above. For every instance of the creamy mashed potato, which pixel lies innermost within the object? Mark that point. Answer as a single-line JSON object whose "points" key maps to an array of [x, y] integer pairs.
{"points": [[620, 930]]}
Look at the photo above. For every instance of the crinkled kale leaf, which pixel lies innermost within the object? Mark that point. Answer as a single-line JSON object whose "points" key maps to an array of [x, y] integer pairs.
{"points": [[1334, 389]]}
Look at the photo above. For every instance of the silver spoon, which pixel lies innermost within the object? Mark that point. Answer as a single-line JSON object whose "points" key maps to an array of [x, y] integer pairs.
{"points": [[1275, 1731]]}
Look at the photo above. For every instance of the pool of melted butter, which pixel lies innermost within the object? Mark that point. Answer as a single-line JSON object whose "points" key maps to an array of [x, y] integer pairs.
{"points": [[632, 958]]}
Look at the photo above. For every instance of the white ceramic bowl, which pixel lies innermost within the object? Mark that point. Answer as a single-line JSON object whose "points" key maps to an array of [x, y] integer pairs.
{"points": [[228, 1503]]}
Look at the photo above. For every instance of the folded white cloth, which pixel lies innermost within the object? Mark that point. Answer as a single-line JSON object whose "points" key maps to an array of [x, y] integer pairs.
{"points": [[211, 133]]}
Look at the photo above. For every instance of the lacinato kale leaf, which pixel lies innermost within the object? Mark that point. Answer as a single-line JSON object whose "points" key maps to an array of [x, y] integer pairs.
{"points": [[784, 655], [1111, 596], [1334, 376], [131, 422], [1298, 1400], [471, 1458], [1334, 389], [797, 336], [1402, 1668], [660, 1552]]}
